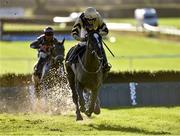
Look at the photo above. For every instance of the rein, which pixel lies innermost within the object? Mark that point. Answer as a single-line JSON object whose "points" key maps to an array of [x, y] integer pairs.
{"points": [[99, 58]]}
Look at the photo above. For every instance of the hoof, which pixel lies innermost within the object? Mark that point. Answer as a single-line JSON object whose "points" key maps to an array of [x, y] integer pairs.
{"points": [[97, 110], [79, 118], [88, 113]]}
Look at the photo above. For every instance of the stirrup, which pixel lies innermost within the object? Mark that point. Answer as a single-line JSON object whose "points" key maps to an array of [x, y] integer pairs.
{"points": [[107, 67]]}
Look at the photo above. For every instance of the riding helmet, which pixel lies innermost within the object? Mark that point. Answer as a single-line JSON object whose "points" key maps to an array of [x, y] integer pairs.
{"points": [[48, 31]]}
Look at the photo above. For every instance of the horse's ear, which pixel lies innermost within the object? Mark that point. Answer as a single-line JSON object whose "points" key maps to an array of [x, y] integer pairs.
{"points": [[62, 42]]}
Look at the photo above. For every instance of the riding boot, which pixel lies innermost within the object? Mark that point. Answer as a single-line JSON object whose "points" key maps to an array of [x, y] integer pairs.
{"points": [[72, 55], [106, 66], [39, 66]]}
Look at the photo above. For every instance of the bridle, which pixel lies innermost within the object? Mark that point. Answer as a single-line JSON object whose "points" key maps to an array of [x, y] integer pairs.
{"points": [[94, 52]]}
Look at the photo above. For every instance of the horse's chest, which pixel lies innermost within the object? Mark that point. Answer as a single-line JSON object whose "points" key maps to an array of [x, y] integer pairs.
{"points": [[90, 80]]}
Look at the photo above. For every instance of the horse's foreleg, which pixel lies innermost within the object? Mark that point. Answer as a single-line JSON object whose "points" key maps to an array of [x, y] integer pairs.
{"points": [[97, 108], [37, 87], [75, 100], [81, 97], [92, 104]]}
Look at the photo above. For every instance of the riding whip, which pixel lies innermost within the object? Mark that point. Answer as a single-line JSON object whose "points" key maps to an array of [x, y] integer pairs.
{"points": [[108, 48]]}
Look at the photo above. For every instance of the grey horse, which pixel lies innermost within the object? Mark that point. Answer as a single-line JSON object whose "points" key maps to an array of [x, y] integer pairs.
{"points": [[87, 74]]}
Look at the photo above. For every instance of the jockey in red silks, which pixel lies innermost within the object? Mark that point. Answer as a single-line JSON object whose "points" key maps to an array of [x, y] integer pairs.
{"points": [[44, 44]]}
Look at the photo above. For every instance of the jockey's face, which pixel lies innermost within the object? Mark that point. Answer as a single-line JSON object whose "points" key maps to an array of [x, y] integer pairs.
{"points": [[48, 36], [91, 20]]}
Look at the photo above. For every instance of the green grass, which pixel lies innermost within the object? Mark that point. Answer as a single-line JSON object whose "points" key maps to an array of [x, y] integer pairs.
{"points": [[19, 50], [16, 50], [120, 121], [125, 45], [173, 22]]}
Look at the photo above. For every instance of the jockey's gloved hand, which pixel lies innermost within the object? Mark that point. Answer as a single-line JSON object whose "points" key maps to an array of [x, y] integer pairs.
{"points": [[39, 46], [101, 33], [45, 48], [83, 39]]}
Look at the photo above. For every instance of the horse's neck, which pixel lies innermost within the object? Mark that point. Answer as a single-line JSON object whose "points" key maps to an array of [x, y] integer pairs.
{"points": [[90, 62]]}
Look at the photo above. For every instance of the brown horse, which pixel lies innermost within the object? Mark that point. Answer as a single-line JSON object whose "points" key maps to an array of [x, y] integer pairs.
{"points": [[53, 67], [87, 74]]}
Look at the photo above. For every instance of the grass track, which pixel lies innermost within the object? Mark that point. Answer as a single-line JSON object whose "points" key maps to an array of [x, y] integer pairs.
{"points": [[171, 22], [125, 45], [120, 121]]}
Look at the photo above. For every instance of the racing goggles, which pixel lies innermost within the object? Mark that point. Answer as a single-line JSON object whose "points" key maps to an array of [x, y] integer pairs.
{"points": [[90, 19]]}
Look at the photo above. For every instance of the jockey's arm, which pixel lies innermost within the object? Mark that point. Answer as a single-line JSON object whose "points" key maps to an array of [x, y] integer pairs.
{"points": [[75, 33], [103, 30], [35, 44]]}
